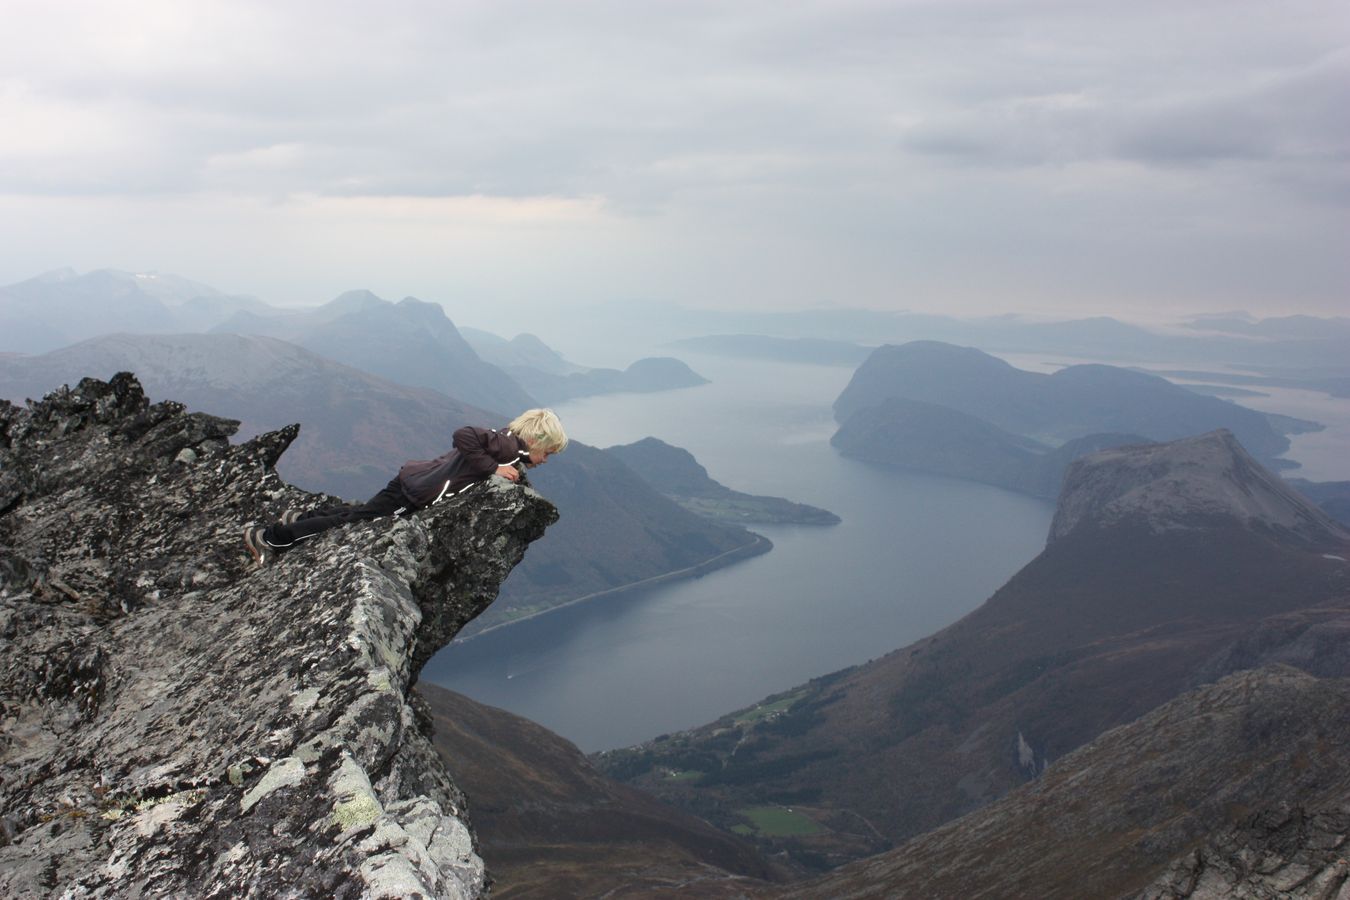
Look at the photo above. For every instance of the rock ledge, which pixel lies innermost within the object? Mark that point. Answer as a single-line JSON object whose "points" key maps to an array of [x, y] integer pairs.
{"points": [[175, 722]]}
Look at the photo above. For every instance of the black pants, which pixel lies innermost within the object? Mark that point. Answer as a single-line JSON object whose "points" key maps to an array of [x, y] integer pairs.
{"points": [[389, 502]]}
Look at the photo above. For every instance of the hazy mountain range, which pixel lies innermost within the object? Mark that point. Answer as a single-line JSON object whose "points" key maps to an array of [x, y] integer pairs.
{"points": [[410, 342], [62, 307]]}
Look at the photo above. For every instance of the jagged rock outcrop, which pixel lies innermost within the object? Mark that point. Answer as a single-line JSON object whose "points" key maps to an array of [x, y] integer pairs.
{"points": [[174, 722], [1283, 851]]}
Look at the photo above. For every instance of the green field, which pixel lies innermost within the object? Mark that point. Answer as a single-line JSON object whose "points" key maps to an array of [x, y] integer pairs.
{"points": [[765, 710], [776, 821]]}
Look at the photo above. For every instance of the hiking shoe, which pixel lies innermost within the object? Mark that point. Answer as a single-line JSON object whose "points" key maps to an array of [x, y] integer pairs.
{"points": [[257, 544], [290, 516]]}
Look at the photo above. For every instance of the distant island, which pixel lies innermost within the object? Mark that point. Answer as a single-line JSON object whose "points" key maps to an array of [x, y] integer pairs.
{"points": [[674, 472], [543, 371], [1073, 402], [928, 437]]}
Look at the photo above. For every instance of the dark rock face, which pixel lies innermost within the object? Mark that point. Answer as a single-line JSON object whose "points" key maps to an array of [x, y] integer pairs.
{"points": [[1285, 851], [175, 722]]}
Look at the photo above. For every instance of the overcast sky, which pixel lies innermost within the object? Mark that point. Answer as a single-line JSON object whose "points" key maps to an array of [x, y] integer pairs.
{"points": [[1140, 159]]}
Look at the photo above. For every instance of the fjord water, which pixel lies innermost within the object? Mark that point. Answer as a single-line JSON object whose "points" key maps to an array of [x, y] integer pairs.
{"points": [[912, 554]]}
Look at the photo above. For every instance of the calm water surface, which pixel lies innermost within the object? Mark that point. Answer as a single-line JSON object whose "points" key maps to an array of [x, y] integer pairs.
{"points": [[913, 554]]}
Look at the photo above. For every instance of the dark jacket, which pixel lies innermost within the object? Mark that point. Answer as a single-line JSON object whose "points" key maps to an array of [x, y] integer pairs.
{"points": [[476, 455]]}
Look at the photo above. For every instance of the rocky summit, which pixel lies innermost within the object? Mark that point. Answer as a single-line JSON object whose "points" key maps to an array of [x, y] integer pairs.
{"points": [[1186, 485], [177, 722]]}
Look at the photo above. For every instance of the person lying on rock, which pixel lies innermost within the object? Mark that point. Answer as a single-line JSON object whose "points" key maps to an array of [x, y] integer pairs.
{"points": [[477, 454]]}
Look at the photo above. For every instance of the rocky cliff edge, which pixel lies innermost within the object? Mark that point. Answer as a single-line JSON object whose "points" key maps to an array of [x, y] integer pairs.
{"points": [[176, 722]]}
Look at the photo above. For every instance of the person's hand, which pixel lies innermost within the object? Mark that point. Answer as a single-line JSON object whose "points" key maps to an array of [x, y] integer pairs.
{"points": [[510, 473]]}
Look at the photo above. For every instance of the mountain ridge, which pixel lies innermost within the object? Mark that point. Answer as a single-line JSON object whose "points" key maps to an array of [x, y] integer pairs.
{"points": [[411, 342]]}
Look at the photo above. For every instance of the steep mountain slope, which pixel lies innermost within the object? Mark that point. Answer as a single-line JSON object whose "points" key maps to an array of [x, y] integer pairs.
{"points": [[358, 429], [1168, 566], [1073, 402], [1252, 768], [410, 342], [1332, 497], [178, 723], [551, 826]]}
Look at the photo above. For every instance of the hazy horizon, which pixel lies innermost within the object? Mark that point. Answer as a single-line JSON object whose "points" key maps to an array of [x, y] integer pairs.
{"points": [[1145, 161]]}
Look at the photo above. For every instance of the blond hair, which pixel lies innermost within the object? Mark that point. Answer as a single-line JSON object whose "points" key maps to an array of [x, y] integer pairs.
{"points": [[541, 428]]}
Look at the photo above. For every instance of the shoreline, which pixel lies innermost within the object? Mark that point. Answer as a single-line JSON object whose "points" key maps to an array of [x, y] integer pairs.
{"points": [[758, 547]]}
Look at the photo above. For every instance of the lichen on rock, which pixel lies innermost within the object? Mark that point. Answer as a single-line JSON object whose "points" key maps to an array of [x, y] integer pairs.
{"points": [[176, 722]]}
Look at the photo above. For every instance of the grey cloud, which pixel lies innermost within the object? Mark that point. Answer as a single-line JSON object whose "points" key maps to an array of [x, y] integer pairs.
{"points": [[884, 133], [1198, 135], [604, 98]]}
